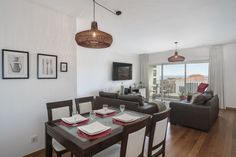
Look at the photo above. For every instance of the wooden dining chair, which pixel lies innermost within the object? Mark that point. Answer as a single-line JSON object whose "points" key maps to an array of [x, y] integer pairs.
{"points": [[55, 111], [84, 104], [132, 143], [155, 143]]}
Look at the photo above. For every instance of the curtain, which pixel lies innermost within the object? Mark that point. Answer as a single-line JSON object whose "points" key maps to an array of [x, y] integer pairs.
{"points": [[216, 73], [144, 71]]}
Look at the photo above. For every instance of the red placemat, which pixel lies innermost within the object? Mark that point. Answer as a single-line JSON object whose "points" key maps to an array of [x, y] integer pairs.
{"points": [[120, 122], [76, 124], [106, 115], [91, 137]]}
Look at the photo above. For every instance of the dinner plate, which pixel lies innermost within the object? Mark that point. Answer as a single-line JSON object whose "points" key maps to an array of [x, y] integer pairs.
{"points": [[127, 118], [93, 128], [74, 119], [105, 111]]}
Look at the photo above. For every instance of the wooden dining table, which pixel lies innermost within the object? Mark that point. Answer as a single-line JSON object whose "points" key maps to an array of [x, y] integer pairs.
{"points": [[83, 147]]}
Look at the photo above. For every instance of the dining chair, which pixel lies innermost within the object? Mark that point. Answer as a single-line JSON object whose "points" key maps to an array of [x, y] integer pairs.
{"points": [[84, 104], [55, 111], [155, 143], [132, 142]]}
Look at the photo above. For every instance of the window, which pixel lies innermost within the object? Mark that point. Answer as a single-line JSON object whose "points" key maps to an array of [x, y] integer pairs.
{"points": [[169, 81]]}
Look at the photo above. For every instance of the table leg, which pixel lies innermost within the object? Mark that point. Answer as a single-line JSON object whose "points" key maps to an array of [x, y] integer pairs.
{"points": [[48, 144]]}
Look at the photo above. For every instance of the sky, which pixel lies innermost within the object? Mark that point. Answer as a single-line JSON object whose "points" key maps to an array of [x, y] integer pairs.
{"points": [[178, 70]]}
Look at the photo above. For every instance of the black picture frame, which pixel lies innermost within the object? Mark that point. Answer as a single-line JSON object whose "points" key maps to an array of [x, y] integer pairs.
{"points": [[63, 67], [15, 64], [46, 66]]}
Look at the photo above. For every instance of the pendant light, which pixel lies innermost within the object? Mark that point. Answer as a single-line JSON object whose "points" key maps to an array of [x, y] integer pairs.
{"points": [[176, 57], [94, 38]]}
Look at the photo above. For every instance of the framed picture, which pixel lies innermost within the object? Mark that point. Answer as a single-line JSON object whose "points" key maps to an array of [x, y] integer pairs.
{"points": [[15, 64], [47, 66], [63, 67]]}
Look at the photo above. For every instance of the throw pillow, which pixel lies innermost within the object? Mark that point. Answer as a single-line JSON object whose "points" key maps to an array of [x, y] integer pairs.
{"points": [[202, 87], [200, 100], [195, 95]]}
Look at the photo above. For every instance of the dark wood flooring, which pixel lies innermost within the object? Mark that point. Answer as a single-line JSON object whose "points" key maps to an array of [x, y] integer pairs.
{"points": [[220, 141]]}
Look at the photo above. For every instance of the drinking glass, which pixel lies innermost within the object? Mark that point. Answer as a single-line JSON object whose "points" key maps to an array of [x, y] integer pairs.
{"points": [[92, 115], [74, 112], [105, 107], [122, 108]]}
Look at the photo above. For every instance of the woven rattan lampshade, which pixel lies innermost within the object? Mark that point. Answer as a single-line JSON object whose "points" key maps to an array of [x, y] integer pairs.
{"points": [[93, 38], [176, 57]]}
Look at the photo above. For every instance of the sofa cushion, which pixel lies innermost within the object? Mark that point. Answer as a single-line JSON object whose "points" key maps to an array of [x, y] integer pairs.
{"points": [[208, 96], [135, 98], [108, 95], [200, 100], [195, 95]]}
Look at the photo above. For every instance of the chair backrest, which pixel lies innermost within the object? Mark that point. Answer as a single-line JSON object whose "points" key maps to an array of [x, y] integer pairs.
{"points": [[133, 138], [84, 104], [158, 131], [56, 108]]}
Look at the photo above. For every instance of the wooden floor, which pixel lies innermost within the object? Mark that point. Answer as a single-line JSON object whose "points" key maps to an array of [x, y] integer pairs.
{"points": [[220, 141]]}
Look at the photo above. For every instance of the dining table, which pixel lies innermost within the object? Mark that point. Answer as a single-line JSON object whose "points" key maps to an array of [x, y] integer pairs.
{"points": [[83, 147]]}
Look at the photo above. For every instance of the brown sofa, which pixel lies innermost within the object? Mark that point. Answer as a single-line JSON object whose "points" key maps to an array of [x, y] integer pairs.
{"points": [[135, 103], [198, 116]]}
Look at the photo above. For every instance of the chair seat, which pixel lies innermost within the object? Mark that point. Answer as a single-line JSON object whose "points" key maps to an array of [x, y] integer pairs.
{"points": [[145, 153], [113, 151], [57, 146]]}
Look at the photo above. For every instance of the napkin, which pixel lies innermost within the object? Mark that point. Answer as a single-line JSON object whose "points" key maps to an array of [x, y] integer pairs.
{"points": [[104, 111], [74, 119], [93, 128], [126, 118]]}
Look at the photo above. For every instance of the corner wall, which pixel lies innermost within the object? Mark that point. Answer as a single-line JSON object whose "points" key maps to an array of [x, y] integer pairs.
{"points": [[36, 29]]}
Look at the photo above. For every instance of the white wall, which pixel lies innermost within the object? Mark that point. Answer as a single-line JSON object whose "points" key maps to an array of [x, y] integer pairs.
{"points": [[94, 70], [26, 26], [230, 75]]}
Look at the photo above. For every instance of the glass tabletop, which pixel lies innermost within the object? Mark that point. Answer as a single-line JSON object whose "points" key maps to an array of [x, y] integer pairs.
{"points": [[107, 121]]}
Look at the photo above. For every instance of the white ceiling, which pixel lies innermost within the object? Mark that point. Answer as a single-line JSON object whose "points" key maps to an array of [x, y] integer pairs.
{"points": [[147, 26]]}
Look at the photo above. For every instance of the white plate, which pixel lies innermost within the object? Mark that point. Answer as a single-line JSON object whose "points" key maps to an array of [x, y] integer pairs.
{"points": [[104, 111], [126, 118], [74, 119], [93, 128]]}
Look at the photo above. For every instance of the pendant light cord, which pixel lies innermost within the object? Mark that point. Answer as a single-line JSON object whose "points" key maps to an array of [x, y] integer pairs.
{"points": [[176, 46], [113, 12], [93, 10]]}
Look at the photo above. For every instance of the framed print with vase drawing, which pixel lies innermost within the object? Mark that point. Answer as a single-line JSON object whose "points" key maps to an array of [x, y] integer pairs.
{"points": [[15, 64]]}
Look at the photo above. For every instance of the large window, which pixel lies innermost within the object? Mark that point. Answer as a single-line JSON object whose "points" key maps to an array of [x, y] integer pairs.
{"points": [[169, 81]]}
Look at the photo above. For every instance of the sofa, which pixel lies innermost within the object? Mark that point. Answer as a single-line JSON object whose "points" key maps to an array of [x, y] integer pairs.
{"points": [[135, 103], [195, 115]]}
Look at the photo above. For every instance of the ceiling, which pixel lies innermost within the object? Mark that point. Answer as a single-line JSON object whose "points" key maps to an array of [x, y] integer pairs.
{"points": [[148, 26]]}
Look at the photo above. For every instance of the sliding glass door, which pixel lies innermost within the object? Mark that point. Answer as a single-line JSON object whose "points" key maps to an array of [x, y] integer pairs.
{"points": [[170, 81], [196, 73], [173, 81]]}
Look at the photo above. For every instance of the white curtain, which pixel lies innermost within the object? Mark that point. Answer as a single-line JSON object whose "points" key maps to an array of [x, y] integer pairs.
{"points": [[216, 73], [144, 71]]}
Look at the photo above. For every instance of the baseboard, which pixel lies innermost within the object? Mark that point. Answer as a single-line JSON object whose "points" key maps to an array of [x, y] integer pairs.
{"points": [[39, 152], [231, 108]]}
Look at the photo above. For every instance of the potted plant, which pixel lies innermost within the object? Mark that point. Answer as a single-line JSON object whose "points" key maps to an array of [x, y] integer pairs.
{"points": [[182, 96]]}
